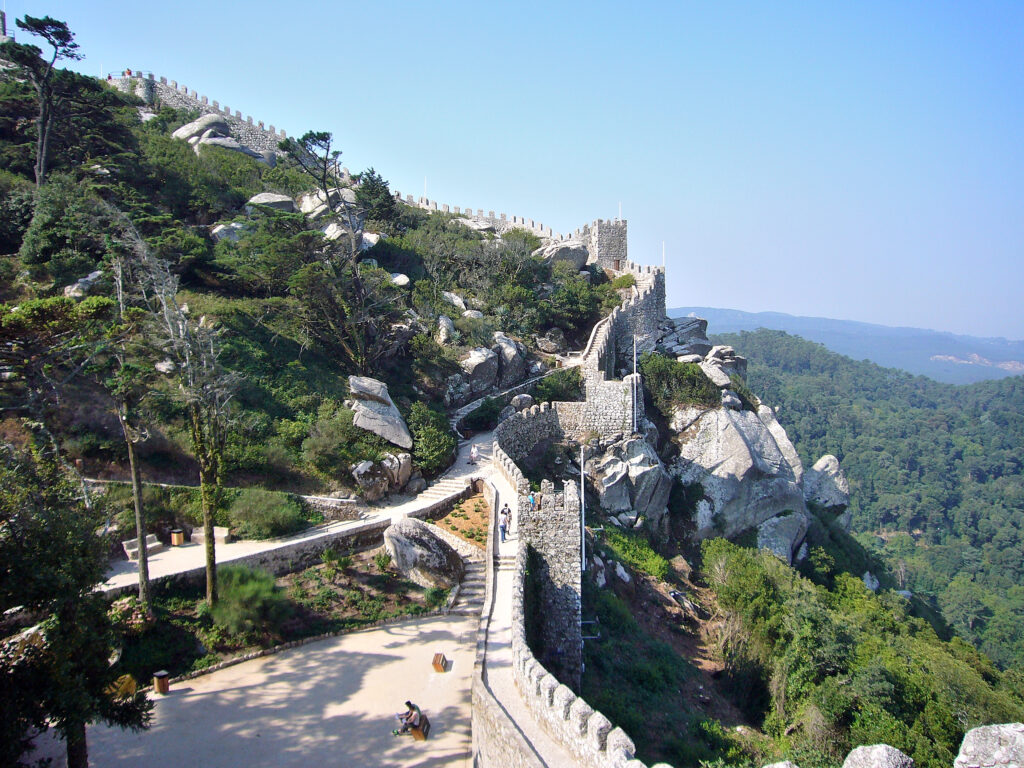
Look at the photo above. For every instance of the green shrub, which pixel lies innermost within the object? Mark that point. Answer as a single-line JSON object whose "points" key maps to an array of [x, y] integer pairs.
{"points": [[435, 596], [623, 281], [260, 514], [433, 443], [335, 443], [670, 383], [249, 601], [637, 552], [484, 417], [382, 560], [565, 385]]}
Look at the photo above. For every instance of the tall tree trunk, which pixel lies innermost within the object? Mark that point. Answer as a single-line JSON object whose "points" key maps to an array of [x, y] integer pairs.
{"points": [[140, 528], [43, 122], [78, 750], [206, 493]]}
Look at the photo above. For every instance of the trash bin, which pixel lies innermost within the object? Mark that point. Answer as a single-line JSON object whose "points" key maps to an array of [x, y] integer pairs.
{"points": [[177, 537], [161, 682]]}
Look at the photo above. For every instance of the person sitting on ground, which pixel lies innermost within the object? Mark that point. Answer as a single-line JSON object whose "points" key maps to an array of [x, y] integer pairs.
{"points": [[409, 719]]}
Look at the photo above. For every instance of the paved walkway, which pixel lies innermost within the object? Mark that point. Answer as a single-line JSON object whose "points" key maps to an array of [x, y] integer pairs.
{"points": [[329, 703]]}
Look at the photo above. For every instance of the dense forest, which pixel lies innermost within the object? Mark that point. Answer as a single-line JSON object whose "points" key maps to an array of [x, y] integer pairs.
{"points": [[936, 475]]}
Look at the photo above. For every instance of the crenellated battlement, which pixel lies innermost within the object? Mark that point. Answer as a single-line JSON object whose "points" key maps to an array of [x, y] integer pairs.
{"points": [[501, 222], [252, 133]]}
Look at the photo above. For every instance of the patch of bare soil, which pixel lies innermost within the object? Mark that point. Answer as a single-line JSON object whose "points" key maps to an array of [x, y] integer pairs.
{"points": [[685, 621], [468, 520]]}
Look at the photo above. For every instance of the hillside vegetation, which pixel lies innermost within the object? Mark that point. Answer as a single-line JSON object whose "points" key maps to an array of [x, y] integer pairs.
{"points": [[936, 475]]}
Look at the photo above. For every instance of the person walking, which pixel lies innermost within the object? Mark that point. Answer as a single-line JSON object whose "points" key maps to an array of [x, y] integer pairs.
{"points": [[474, 454], [503, 522]]}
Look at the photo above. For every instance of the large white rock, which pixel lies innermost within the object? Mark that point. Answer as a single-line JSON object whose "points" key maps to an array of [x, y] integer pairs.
{"points": [[226, 142], [374, 411], [445, 329], [826, 486], [877, 756], [782, 535], [231, 231], [572, 251], [746, 476], [481, 367], [372, 480], [419, 554], [1000, 746], [271, 200], [315, 204], [398, 468], [400, 280], [368, 240], [613, 487], [215, 123], [453, 298], [512, 360], [767, 417], [713, 370]]}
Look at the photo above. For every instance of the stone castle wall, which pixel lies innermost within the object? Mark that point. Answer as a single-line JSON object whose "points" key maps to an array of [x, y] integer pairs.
{"points": [[152, 90]]}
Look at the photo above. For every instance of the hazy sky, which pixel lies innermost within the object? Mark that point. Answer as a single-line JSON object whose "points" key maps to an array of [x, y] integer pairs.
{"points": [[861, 161]]}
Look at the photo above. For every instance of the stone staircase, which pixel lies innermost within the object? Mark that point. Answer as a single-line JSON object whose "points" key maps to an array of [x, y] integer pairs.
{"points": [[470, 599], [443, 489], [504, 562]]}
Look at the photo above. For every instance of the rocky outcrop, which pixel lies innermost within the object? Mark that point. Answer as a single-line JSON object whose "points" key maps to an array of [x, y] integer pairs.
{"points": [[203, 126], [741, 463], [453, 298], [231, 231], [825, 485], [375, 412], [83, 286], [552, 342], [481, 370], [511, 360], [445, 329], [270, 200], [372, 479], [782, 535], [573, 252], [420, 555], [999, 746], [877, 756], [519, 402], [631, 483], [316, 204], [684, 336]]}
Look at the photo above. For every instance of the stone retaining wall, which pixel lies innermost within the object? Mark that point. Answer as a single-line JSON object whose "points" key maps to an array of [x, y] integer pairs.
{"points": [[300, 551]]}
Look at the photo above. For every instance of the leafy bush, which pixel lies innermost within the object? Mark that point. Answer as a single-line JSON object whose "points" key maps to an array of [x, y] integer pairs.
{"points": [[260, 514], [435, 596], [670, 383], [382, 560], [335, 443], [627, 280], [485, 416], [564, 385], [636, 551], [249, 601], [433, 441]]}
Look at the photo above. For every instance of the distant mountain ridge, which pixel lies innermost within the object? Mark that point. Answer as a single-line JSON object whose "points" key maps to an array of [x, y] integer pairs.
{"points": [[943, 356]]}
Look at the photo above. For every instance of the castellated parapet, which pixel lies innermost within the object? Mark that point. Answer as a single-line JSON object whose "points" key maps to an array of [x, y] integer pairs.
{"points": [[153, 90], [500, 222]]}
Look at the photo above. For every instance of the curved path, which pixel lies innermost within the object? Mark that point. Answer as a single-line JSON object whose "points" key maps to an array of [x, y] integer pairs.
{"points": [[330, 702]]}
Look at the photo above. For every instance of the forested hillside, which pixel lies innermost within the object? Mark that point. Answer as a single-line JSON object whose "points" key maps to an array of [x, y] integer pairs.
{"points": [[936, 475]]}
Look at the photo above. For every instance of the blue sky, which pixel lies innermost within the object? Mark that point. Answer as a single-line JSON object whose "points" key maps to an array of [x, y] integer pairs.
{"points": [[860, 161]]}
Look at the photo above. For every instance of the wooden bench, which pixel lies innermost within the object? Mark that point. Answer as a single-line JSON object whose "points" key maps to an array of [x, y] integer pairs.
{"points": [[221, 535], [440, 663], [131, 547], [421, 731]]}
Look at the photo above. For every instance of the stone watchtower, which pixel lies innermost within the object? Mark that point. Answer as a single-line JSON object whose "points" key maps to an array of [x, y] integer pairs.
{"points": [[607, 244], [3, 28]]}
